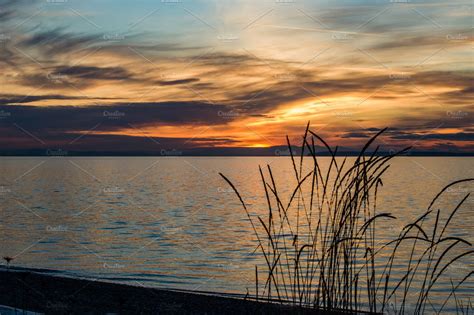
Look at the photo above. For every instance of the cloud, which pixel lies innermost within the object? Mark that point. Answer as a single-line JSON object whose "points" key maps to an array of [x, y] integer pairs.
{"points": [[61, 77], [159, 74], [178, 82], [93, 143], [11, 99], [415, 133], [10, 9], [51, 43], [99, 128], [459, 136], [69, 119], [94, 73], [355, 135]]}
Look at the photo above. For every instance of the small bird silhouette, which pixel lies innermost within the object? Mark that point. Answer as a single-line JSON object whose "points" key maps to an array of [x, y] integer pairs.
{"points": [[8, 259]]}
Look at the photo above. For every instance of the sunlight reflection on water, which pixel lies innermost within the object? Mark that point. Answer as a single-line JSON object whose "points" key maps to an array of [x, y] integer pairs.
{"points": [[173, 222]]}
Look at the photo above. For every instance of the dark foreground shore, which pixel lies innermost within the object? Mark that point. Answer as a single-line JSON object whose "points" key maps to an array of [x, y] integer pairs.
{"points": [[53, 294]]}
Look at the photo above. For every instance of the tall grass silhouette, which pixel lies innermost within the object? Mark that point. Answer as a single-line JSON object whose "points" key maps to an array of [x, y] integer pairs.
{"points": [[320, 247]]}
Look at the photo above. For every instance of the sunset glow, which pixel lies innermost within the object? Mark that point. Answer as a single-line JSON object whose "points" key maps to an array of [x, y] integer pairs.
{"points": [[200, 74]]}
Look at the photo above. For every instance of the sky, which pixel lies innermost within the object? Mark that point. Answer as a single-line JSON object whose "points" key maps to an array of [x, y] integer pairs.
{"points": [[175, 75]]}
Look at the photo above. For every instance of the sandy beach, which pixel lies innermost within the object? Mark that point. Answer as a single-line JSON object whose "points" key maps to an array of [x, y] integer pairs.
{"points": [[52, 294]]}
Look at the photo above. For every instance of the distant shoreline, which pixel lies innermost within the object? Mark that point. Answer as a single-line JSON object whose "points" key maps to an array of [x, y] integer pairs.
{"points": [[341, 154], [170, 152]]}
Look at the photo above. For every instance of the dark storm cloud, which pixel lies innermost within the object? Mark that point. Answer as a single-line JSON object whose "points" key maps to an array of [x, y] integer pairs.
{"points": [[458, 79], [84, 76], [57, 41], [94, 73], [8, 57], [460, 136], [225, 59], [403, 42], [10, 9], [417, 132], [11, 99], [178, 82], [14, 140], [355, 135], [69, 119], [53, 42], [5, 14], [42, 47], [61, 77], [33, 127]]}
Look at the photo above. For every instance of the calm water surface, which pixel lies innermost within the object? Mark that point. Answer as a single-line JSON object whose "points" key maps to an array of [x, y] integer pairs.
{"points": [[173, 222]]}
